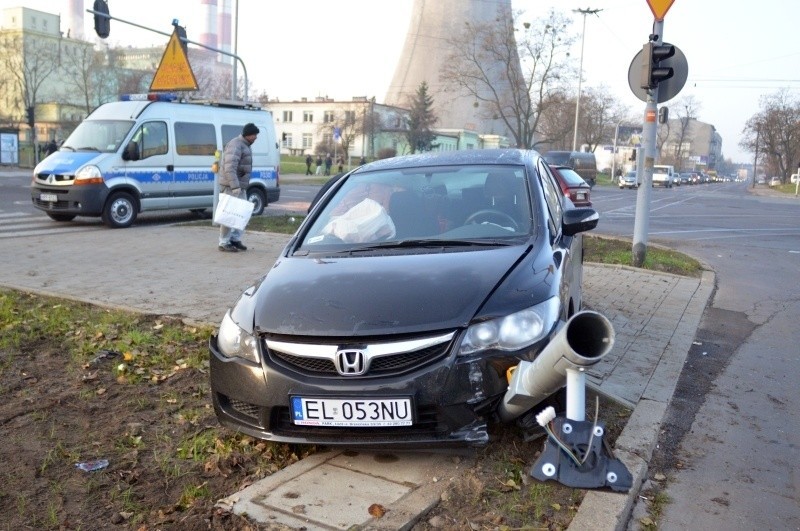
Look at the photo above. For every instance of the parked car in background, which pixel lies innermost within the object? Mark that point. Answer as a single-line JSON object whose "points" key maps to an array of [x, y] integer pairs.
{"points": [[628, 180], [686, 178], [392, 315], [775, 181], [583, 163], [573, 186], [762, 179]]}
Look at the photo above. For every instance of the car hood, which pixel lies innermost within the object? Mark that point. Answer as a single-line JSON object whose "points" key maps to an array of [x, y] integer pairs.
{"points": [[377, 295], [66, 162]]}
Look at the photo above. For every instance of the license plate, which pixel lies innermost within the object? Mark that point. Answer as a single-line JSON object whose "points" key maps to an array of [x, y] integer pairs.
{"points": [[581, 195], [53, 198], [351, 412]]}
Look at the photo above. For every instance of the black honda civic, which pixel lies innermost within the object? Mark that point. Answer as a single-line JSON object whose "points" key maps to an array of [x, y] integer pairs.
{"points": [[394, 313]]}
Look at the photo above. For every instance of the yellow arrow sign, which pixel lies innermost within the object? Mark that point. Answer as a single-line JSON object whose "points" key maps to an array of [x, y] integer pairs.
{"points": [[660, 8], [174, 72]]}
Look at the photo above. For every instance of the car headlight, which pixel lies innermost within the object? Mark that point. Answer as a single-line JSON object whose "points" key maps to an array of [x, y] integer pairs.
{"points": [[234, 342], [89, 174], [512, 332]]}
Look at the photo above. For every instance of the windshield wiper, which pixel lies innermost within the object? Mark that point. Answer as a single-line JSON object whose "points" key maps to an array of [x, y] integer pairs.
{"points": [[68, 147], [88, 148]]}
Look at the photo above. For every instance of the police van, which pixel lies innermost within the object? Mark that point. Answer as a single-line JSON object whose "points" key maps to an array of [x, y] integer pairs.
{"points": [[152, 152]]}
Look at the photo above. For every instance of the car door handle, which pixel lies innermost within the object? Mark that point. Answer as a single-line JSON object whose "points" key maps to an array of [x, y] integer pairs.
{"points": [[170, 167]]}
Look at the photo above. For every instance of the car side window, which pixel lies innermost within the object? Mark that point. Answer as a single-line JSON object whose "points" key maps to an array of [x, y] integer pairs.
{"points": [[552, 197], [151, 138]]}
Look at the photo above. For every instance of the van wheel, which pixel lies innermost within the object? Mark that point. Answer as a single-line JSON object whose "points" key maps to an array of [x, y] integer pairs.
{"points": [[120, 210], [259, 200], [61, 217]]}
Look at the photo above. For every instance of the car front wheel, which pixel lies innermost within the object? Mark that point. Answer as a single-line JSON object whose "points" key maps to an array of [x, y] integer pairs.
{"points": [[120, 210], [259, 200]]}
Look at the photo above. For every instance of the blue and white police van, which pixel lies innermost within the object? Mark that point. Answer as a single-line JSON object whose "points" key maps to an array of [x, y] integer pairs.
{"points": [[152, 152]]}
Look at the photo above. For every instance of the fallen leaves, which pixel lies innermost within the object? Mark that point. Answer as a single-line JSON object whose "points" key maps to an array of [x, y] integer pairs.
{"points": [[376, 510]]}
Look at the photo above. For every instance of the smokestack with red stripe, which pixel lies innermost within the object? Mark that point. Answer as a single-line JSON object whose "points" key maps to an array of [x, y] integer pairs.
{"points": [[209, 35], [224, 28]]}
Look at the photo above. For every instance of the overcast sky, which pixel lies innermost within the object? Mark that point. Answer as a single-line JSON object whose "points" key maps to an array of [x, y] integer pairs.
{"points": [[737, 50]]}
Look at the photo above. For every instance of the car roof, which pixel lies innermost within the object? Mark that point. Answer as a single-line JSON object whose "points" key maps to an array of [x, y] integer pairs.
{"points": [[463, 157]]}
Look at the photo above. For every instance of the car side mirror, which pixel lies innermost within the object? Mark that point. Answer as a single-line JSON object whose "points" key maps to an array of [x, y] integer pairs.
{"points": [[131, 151], [579, 219]]}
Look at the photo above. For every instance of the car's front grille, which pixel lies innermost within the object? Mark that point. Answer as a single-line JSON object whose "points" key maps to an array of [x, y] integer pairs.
{"points": [[373, 358]]}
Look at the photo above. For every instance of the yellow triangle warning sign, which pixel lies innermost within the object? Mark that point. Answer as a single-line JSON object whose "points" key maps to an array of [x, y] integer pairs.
{"points": [[174, 72]]}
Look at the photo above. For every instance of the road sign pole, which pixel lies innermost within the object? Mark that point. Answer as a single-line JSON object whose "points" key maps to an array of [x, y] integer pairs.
{"points": [[649, 132]]}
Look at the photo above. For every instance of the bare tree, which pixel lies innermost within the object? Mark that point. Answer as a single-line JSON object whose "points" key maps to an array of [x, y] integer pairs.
{"points": [[600, 112], [536, 62], [27, 63], [775, 132], [555, 123], [686, 109], [86, 73]]}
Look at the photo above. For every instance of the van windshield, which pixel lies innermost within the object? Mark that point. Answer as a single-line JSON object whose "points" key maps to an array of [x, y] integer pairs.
{"points": [[558, 158], [104, 136]]}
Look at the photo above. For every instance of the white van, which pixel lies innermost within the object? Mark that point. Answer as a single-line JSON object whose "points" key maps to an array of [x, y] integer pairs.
{"points": [[151, 152], [663, 176]]}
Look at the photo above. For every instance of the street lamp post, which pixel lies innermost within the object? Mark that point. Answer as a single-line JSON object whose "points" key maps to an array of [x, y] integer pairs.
{"points": [[584, 12]]}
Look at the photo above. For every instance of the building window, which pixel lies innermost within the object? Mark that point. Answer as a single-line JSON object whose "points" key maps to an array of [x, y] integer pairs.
{"points": [[287, 116], [287, 140], [327, 139], [308, 117], [328, 117], [349, 117], [308, 140]]}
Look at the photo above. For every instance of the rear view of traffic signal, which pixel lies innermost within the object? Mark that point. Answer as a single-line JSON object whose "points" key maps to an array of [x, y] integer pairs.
{"points": [[654, 69], [102, 24]]}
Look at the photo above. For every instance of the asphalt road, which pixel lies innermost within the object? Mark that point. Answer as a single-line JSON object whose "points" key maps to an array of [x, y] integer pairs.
{"points": [[730, 443]]}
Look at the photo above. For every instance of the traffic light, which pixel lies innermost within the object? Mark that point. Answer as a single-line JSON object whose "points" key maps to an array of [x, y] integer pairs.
{"points": [[653, 72], [29, 116], [102, 25]]}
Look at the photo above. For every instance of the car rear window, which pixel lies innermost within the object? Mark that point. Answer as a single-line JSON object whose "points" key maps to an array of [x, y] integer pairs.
{"points": [[570, 177]]}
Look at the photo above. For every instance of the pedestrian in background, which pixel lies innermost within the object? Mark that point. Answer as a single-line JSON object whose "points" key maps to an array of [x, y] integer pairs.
{"points": [[309, 160], [237, 164], [340, 162], [318, 162], [328, 164]]}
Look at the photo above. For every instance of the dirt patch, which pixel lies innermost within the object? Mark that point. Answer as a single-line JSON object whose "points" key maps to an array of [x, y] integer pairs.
{"points": [[71, 397]]}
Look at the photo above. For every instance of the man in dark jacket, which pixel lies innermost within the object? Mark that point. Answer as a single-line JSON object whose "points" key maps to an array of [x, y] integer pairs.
{"points": [[237, 164]]}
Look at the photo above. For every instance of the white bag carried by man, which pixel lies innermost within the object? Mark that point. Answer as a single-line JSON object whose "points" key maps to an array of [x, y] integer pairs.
{"points": [[233, 212]]}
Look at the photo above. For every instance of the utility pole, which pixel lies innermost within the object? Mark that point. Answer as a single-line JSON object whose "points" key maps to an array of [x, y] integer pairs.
{"points": [[583, 12]]}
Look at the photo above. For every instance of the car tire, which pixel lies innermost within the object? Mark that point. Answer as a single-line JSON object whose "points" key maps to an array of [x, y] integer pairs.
{"points": [[120, 210], [61, 217], [259, 200]]}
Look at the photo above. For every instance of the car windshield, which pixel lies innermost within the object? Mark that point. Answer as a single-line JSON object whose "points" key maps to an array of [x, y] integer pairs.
{"points": [[98, 135], [454, 206]]}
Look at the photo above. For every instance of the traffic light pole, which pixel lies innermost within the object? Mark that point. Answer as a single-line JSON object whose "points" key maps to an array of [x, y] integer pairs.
{"points": [[649, 131]]}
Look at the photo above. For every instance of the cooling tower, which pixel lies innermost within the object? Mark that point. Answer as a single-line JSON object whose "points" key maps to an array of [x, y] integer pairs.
{"points": [[425, 52], [224, 30]]}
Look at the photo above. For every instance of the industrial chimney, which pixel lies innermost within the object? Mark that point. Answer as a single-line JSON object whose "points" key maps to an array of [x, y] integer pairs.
{"points": [[426, 51], [74, 22]]}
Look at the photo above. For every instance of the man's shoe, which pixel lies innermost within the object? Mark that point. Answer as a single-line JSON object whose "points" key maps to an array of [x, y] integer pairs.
{"points": [[239, 245], [228, 248]]}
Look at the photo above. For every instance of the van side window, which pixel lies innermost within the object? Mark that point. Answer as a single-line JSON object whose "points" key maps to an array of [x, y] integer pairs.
{"points": [[151, 138], [229, 132], [195, 139]]}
